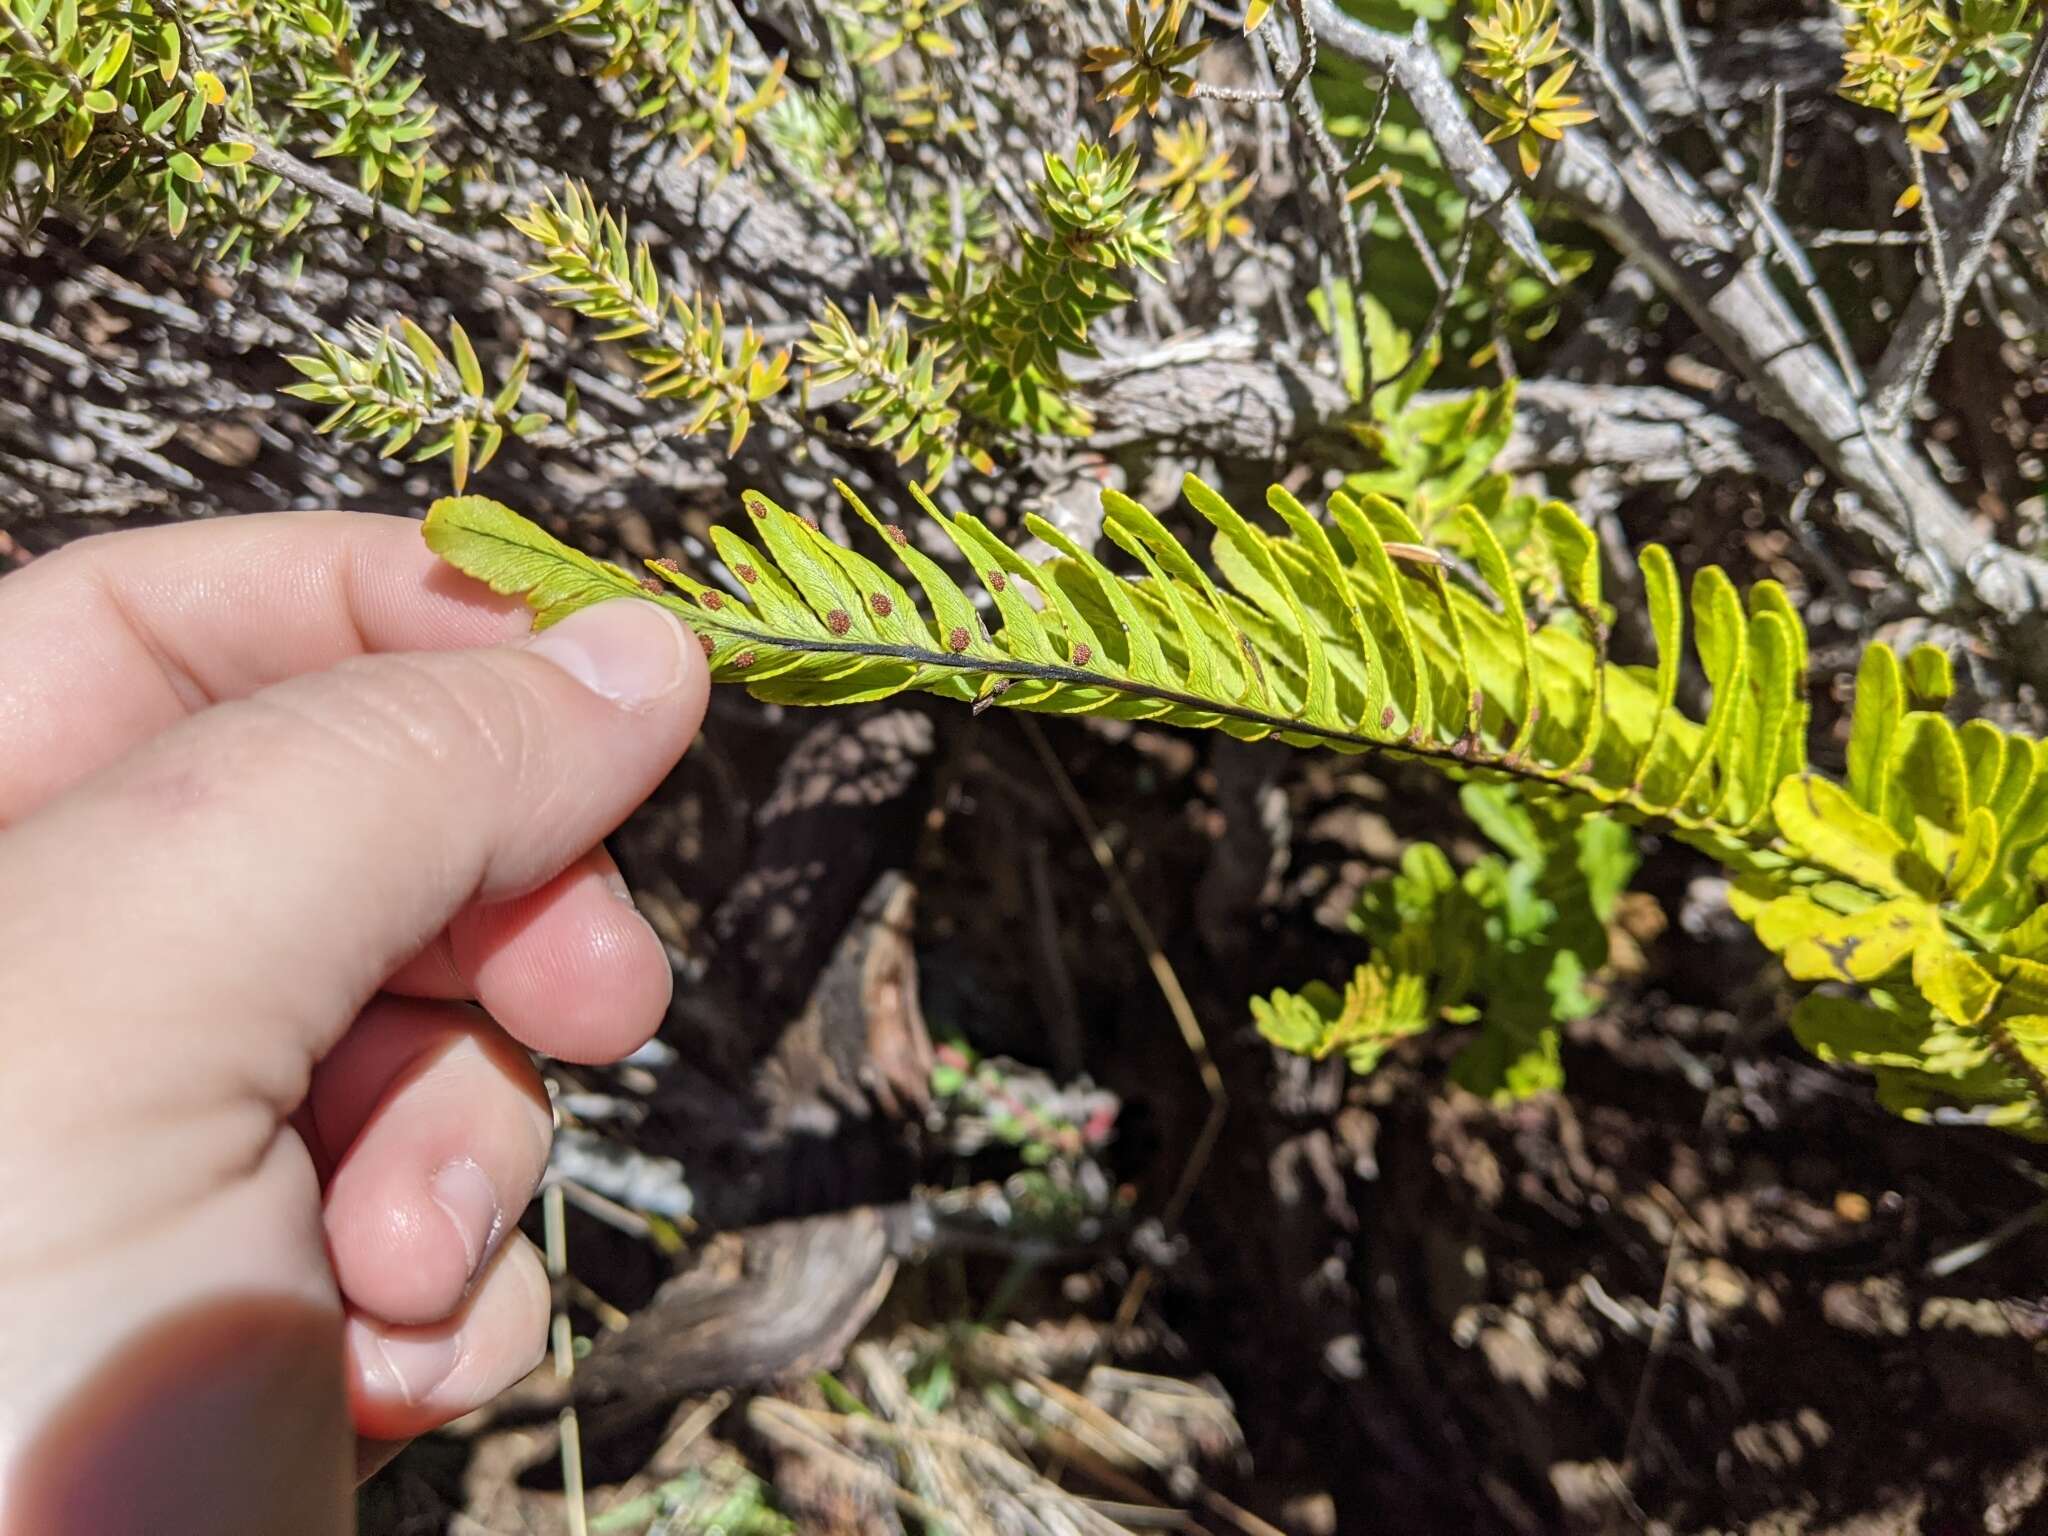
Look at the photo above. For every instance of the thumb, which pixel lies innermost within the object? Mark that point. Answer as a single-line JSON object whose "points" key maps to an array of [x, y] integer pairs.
{"points": [[211, 911]]}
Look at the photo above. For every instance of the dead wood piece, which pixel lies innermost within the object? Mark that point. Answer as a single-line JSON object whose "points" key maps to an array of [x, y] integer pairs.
{"points": [[1268, 411], [775, 1302], [862, 1035]]}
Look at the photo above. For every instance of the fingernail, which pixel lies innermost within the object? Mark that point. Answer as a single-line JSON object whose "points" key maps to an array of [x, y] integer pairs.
{"points": [[628, 652], [408, 1367], [462, 1190], [616, 884]]}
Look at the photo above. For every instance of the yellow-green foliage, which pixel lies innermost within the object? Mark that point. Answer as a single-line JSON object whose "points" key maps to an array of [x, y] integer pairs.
{"points": [[1203, 188], [157, 118], [888, 25], [1148, 64], [1516, 50], [682, 84], [1915, 886], [1915, 59], [302, 63], [1013, 323], [395, 388], [902, 400], [1513, 944], [682, 347], [106, 113]]}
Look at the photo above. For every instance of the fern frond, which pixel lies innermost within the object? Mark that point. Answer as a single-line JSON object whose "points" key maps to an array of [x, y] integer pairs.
{"points": [[1915, 882]]}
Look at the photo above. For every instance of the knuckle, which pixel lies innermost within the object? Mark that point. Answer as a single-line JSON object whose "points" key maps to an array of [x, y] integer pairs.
{"points": [[408, 714]]}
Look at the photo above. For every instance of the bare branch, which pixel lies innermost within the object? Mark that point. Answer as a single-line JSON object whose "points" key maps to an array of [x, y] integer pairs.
{"points": [[1264, 410], [1411, 63], [339, 194], [1698, 256], [1930, 318], [1649, 434]]}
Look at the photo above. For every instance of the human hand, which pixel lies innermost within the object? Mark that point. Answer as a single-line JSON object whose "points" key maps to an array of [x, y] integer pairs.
{"points": [[270, 820]]}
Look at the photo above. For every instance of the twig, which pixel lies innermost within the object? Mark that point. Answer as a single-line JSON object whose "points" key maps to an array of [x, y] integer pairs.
{"points": [[563, 1340], [1774, 155], [1689, 72], [1820, 239], [1660, 1344], [1056, 999], [1281, 95], [1399, 201], [1902, 372], [1760, 207], [1413, 64], [1169, 988], [1446, 294], [1937, 258], [786, 1425], [1795, 261], [1692, 251], [1942, 1265], [1307, 113], [458, 248]]}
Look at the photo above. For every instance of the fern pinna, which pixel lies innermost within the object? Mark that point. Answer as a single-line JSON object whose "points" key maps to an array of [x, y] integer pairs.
{"points": [[1912, 888]]}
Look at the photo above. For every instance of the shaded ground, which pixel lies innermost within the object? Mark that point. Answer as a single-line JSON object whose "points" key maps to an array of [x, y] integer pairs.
{"points": [[1710, 1288]]}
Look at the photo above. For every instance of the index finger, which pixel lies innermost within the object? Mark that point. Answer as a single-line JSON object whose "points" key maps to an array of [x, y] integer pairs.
{"points": [[111, 640]]}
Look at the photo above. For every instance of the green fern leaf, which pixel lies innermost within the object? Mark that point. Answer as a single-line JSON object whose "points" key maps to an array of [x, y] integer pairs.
{"points": [[513, 557], [1915, 881]]}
